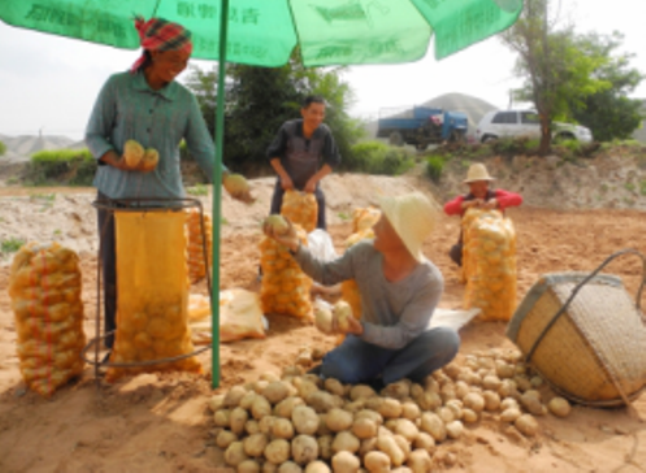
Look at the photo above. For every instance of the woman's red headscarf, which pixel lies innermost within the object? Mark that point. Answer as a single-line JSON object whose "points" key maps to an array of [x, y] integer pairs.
{"points": [[158, 34]]}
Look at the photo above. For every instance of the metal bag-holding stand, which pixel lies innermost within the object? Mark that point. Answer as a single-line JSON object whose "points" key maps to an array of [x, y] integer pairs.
{"points": [[129, 211]]}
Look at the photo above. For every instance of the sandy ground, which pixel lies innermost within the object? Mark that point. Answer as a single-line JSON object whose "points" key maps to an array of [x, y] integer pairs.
{"points": [[161, 423]]}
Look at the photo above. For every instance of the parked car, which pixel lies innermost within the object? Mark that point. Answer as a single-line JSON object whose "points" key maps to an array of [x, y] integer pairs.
{"points": [[513, 123]]}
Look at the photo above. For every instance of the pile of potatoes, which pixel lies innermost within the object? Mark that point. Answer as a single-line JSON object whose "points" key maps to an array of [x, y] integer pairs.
{"points": [[195, 249], [303, 423], [489, 264]]}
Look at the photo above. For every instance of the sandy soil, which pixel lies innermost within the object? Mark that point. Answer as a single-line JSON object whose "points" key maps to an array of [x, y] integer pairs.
{"points": [[161, 423]]}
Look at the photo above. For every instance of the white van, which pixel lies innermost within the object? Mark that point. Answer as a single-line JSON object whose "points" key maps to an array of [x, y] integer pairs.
{"points": [[513, 123]]}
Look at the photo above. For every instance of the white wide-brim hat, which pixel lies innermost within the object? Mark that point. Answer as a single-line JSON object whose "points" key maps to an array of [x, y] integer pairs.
{"points": [[413, 216], [477, 172]]}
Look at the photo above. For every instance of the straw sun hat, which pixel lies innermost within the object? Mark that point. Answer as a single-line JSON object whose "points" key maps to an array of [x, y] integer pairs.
{"points": [[413, 216], [477, 172]]}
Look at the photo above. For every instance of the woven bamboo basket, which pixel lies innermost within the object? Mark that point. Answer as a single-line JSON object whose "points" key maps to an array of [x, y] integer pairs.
{"points": [[585, 335]]}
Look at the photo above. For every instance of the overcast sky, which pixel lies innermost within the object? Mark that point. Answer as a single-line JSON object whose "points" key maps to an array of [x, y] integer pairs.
{"points": [[50, 83]]}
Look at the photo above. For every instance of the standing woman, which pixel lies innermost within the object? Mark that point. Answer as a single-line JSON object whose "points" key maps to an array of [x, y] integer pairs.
{"points": [[146, 104]]}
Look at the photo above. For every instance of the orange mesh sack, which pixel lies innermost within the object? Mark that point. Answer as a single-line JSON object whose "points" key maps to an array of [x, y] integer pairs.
{"points": [[45, 291], [195, 249], [362, 223], [285, 287], [300, 208], [364, 219], [152, 284], [489, 264]]}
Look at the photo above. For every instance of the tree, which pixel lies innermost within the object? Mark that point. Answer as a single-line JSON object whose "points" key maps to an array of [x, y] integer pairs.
{"points": [[260, 99], [557, 73], [609, 113], [3, 148]]}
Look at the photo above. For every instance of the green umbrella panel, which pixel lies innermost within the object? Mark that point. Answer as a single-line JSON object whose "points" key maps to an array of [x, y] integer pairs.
{"points": [[265, 32]]}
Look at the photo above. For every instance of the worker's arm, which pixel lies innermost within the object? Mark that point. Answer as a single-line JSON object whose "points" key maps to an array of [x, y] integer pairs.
{"points": [[310, 186], [285, 180], [454, 207], [507, 199]]}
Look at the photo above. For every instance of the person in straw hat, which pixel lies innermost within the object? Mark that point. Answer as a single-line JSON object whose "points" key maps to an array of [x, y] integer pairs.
{"points": [[480, 196], [400, 290]]}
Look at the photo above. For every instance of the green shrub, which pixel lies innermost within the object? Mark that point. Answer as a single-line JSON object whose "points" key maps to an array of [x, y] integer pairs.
{"points": [[374, 157], [434, 168], [63, 166], [11, 245]]}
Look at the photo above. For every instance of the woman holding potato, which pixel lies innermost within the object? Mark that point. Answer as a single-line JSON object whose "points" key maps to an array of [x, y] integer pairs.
{"points": [[400, 290], [147, 106]]}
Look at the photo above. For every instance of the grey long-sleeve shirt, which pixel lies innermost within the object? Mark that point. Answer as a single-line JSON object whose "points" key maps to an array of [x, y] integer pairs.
{"points": [[394, 313]]}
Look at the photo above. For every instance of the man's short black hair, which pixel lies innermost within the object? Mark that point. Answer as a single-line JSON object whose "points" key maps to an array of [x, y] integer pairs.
{"points": [[310, 99]]}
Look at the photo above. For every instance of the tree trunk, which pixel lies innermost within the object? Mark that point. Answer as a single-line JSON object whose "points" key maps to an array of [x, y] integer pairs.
{"points": [[546, 135]]}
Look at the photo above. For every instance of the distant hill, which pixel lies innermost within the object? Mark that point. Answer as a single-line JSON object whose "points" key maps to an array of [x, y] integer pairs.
{"points": [[20, 148], [473, 107]]}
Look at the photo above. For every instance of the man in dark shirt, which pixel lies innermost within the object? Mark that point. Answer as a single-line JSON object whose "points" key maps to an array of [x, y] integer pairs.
{"points": [[302, 153]]}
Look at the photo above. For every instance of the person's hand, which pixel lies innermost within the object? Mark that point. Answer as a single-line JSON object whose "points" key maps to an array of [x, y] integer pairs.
{"points": [[286, 182], [287, 237], [470, 204], [310, 186], [354, 325], [141, 167], [490, 204]]}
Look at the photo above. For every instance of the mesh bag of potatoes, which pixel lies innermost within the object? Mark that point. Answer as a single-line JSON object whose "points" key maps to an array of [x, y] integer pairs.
{"points": [[299, 422], [489, 264], [300, 208], [285, 288], [363, 220], [195, 249], [45, 291], [152, 283]]}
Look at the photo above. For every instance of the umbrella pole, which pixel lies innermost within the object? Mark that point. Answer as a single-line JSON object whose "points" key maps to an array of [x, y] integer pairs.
{"points": [[217, 199]]}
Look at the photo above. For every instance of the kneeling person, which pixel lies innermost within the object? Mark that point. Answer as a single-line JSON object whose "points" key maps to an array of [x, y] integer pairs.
{"points": [[400, 290]]}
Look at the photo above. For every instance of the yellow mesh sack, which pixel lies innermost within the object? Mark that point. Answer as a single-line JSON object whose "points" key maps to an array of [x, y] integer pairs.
{"points": [[489, 264], [195, 251], [300, 208], [285, 288], [152, 284], [45, 291]]}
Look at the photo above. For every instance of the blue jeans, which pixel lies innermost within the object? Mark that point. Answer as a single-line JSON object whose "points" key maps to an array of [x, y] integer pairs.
{"points": [[356, 361]]}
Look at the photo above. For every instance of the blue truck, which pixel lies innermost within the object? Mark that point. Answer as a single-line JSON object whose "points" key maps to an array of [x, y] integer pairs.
{"points": [[423, 126]]}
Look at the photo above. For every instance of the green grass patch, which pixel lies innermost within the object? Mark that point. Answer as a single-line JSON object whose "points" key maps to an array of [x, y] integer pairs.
{"points": [[198, 190], [61, 167], [434, 168], [642, 188], [11, 245], [344, 216], [629, 186]]}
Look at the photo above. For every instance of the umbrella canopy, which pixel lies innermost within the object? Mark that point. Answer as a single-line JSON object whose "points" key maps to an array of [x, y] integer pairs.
{"points": [[265, 33]]}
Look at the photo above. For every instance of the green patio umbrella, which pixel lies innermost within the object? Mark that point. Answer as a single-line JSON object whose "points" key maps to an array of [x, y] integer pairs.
{"points": [[265, 32]]}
